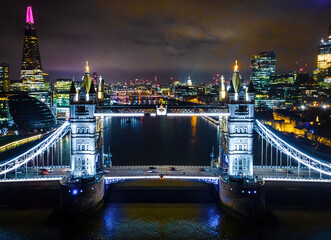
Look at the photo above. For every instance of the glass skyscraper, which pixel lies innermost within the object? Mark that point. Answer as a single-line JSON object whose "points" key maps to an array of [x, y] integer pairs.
{"points": [[263, 66], [323, 71], [31, 71]]}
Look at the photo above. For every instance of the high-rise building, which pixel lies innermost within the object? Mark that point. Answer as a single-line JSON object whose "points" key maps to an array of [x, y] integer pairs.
{"points": [[323, 71], [33, 78], [4, 78], [263, 66]]}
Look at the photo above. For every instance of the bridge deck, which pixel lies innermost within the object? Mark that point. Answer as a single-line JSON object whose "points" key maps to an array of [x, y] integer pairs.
{"points": [[169, 110], [185, 172]]}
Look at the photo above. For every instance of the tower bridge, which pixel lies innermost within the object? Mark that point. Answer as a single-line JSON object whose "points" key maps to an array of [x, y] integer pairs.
{"points": [[234, 173]]}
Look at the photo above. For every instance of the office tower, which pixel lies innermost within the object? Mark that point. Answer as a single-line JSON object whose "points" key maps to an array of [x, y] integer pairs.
{"points": [[31, 71], [4, 78], [323, 71], [263, 66]]}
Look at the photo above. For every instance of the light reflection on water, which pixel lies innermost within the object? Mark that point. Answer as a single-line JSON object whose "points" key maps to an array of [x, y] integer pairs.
{"points": [[161, 221]]}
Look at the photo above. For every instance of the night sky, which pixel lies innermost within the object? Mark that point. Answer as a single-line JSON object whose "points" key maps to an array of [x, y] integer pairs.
{"points": [[125, 39]]}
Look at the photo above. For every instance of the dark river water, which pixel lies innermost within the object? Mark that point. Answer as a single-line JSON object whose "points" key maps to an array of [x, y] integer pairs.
{"points": [[129, 215], [160, 141]]}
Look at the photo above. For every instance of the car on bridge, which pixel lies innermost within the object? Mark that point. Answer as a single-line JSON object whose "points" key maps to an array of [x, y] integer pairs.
{"points": [[152, 170], [173, 169], [203, 170], [43, 171]]}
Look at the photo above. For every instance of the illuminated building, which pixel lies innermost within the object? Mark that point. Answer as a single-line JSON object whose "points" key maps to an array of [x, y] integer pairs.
{"points": [[61, 97], [5, 117], [323, 71], [33, 78], [86, 138], [263, 67], [45, 97], [289, 78], [4, 78], [240, 127], [30, 114], [189, 81]]}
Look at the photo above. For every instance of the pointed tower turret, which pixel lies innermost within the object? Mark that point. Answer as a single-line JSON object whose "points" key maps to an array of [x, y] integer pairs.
{"points": [[72, 92], [250, 94], [222, 89], [251, 88], [231, 91], [92, 93], [87, 77], [236, 78], [100, 90]]}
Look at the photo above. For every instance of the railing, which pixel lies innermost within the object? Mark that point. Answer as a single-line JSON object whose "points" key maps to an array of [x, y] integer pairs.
{"points": [[24, 158], [300, 157]]}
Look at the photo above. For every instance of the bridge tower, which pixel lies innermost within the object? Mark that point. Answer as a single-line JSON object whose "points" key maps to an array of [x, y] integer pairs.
{"points": [[86, 132], [240, 191], [84, 189], [240, 127]]}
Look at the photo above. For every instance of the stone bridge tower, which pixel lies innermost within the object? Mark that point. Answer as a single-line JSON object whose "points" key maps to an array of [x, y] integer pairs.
{"points": [[240, 127], [86, 131]]}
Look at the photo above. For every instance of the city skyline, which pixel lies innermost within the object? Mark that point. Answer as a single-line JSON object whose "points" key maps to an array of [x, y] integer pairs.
{"points": [[179, 39]]}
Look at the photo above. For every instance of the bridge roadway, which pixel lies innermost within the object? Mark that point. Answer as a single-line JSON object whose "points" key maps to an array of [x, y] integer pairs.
{"points": [[120, 173]]}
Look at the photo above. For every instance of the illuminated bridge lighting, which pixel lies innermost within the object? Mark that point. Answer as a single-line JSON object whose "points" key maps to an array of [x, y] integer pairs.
{"points": [[198, 114], [24, 158], [40, 179], [317, 165], [119, 114]]}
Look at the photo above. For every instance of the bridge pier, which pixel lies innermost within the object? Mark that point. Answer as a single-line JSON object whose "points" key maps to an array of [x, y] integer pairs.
{"points": [[81, 196], [243, 197]]}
